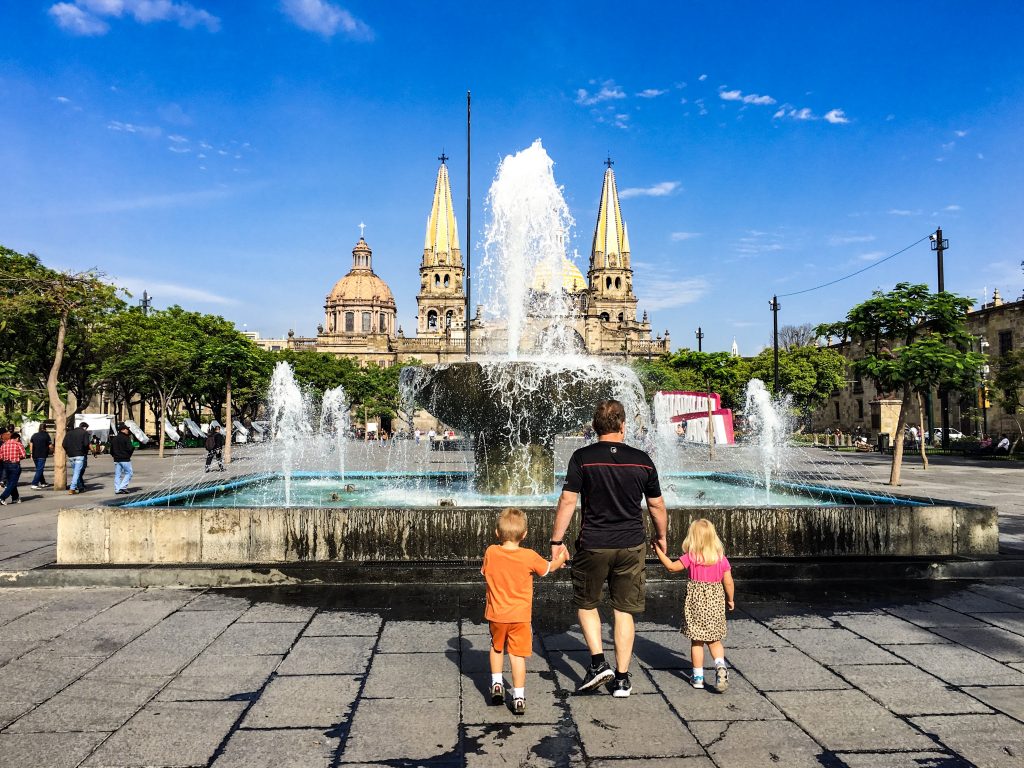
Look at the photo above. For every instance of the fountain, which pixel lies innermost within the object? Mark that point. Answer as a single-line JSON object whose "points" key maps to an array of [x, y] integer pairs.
{"points": [[515, 409]]}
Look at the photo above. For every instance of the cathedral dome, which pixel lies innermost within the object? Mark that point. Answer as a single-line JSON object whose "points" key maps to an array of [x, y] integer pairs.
{"points": [[571, 279], [361, 285]]}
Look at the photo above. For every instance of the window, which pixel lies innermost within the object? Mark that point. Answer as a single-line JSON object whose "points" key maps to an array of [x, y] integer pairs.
{"points": [[437, 281], [367, 327], [448, 317], [350, 322], [837, 410], [620, 314], [860, 409], [1005, 342], [607, 282], [447, 281], [383, 323], [604, 317], [618, 284], [432, 320], [858, 384]]}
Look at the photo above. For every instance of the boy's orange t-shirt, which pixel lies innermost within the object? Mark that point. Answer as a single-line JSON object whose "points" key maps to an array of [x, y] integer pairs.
{"points": [[509, 574]]}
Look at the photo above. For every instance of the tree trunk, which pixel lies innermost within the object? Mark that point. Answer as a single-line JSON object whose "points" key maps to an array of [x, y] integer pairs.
{"points": [[921, 444], [58, 409], [897, 451], [228, 425], [163, 422]]}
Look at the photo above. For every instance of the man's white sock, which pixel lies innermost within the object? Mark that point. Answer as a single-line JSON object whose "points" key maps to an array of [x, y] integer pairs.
{"points": [[720, 662], [518, 693], [497, 679]]}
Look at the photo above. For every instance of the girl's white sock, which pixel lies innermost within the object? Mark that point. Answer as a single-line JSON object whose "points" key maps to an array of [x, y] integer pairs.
{"points": [[497, 678], [720, 662], [518, 693], [698, 672]]}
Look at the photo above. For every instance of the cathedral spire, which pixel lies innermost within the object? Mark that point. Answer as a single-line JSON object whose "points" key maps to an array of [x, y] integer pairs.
{"points": [[442, 232], [610, 234]]}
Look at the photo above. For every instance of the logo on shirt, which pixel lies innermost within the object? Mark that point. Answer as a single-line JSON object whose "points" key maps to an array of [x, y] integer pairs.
{"points": [[614, 450]]}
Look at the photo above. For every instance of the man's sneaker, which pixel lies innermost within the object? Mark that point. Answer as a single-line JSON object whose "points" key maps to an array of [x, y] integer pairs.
{"points": [[622, 687], [4, 502], [602, 673], [519, 707], [497, 693], [73, 491], [35, 487], [697, 682], [721, 679]]}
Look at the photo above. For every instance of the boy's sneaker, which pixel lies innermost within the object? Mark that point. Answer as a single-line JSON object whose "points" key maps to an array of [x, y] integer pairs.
{"points": [[697, 682], [602, 673], [497, 693], [721, 679], [519, 707], [622, 687]]}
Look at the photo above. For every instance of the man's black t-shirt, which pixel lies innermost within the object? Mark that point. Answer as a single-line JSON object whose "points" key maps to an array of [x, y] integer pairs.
{"points": [[40, 443], [613, 479]]}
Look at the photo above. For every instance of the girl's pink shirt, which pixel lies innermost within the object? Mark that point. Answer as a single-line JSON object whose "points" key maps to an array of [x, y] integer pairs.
{"points": [[709, 573]]}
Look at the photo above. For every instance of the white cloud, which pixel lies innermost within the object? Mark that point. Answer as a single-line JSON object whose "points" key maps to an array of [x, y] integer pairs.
{"points": [[871, 256], [73, 19], [177, 139], [325, 19], [179, 149], [849, 239], [953, 207], [679, 236], [608, 91], [836, 117], [652, 93], [661, 189], [86, 17], [62, 100], [149, 131], [903, 212], [702, 78], [960, 134], [981, 156], [170, 293], [948, 146], [749, 98], [665, 294]]}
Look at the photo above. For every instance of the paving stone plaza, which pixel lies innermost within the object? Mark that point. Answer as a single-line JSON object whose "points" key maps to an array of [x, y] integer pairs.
{"points": [[880, 674]]}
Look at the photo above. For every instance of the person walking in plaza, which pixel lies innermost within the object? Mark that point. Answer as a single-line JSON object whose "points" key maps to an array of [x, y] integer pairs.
{"points": [[214, 449], [613, 479], [41, 444], [509, 570], [709, 590], [76, 446], [5, 435], [121, 450], [11, 454]]}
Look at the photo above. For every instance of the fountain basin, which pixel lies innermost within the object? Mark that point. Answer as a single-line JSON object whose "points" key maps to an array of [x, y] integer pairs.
{"points": [[837, 523]]}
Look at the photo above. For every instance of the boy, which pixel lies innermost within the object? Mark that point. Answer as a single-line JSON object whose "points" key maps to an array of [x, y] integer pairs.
{"points": [[508, 569]]}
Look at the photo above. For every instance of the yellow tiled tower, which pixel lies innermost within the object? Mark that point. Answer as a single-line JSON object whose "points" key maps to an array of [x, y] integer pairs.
{"points": [[441, 301]]}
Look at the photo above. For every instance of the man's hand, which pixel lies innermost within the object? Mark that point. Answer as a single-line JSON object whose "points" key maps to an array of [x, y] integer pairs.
{"points": [[559, 551], [660, 543]]}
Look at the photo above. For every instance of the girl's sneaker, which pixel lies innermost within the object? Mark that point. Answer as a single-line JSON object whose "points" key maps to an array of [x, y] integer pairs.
{"points": [[519, 707], [697, 682], [721, 679]]}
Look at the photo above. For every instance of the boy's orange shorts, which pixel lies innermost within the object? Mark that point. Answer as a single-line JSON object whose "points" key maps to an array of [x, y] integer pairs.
{"points": [[515, 637]]}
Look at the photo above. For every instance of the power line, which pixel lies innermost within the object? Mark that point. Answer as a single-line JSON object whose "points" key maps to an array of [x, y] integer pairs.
{"points": [[859, 271]]}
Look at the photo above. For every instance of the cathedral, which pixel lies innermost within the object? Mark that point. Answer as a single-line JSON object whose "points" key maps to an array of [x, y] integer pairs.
{"points": [[361, 316]]}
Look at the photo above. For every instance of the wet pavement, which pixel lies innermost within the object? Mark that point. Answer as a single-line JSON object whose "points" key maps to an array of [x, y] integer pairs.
{"points": [[929, 674]]}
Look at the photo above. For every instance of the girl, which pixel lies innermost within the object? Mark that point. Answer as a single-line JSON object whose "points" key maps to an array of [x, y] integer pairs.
{"points": [[704, 609]]}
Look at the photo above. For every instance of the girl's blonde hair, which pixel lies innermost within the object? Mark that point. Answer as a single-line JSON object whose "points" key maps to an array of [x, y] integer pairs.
{"points": [[511, 525], [702, 543]]}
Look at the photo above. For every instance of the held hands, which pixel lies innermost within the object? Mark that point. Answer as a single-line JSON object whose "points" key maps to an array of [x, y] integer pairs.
{"points": [[731, 604]]}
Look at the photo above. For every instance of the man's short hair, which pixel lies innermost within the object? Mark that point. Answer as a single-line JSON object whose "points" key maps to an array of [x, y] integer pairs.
{"points": [[609, 416]]}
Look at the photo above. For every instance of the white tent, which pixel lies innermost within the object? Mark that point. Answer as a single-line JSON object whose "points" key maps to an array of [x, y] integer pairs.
{"points": [[192, 428], [241, 433], [101, 425], [137, 433], [259, 431], [171, 432]]}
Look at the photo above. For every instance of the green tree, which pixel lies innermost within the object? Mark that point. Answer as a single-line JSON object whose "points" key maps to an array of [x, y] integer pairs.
{"points": [[913, 340], [1008, 386], [810, 374], [687, 370]]}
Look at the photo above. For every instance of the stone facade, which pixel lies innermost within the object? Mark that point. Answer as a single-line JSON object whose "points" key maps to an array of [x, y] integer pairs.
{"points": [[997, 326]]}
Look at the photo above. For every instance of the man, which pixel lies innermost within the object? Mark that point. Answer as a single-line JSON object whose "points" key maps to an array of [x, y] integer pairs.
{"points": [[121, 450], [613, 479], [11, 454], [41, 443], [76, 446], [214, 448], [1004, 444]]}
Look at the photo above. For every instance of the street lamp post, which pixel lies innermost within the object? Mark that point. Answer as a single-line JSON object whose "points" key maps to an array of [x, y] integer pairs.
{"points": [[700, 338], [775, 307], [940, 245], [983, 344]]}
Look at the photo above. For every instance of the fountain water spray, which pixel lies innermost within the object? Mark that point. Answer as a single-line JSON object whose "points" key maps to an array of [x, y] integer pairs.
{"points": [[768, 423], [289, 423], [335, 422]]}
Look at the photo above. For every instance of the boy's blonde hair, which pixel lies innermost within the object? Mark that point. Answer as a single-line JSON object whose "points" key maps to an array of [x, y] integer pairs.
{"points": [[511, 525], [702, 543]]}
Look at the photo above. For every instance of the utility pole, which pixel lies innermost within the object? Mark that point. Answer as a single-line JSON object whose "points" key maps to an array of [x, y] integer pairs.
{"points": [[469, 243], [146, 302], [775, 306], [700, 338], [939, 245]]}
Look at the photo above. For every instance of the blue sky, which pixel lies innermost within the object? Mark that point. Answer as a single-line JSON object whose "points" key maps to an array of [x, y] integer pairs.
{"points": [[221, 155]]}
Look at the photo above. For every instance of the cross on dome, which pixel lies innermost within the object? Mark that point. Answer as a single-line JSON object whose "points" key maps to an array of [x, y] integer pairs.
{"points": [[361, 228]]}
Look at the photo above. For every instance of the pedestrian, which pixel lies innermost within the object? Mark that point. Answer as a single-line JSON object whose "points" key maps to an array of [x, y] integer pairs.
{"points": [[121, 450], [214, 448], [1003, 446], [42, 445], [76, 446], [613, 479], [95, 446], [509, 569], [5, 435], [11, 454], [709, 590]]}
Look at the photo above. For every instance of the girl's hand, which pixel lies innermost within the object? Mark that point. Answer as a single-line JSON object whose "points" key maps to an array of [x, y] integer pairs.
{"points": [[731, 604]]}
